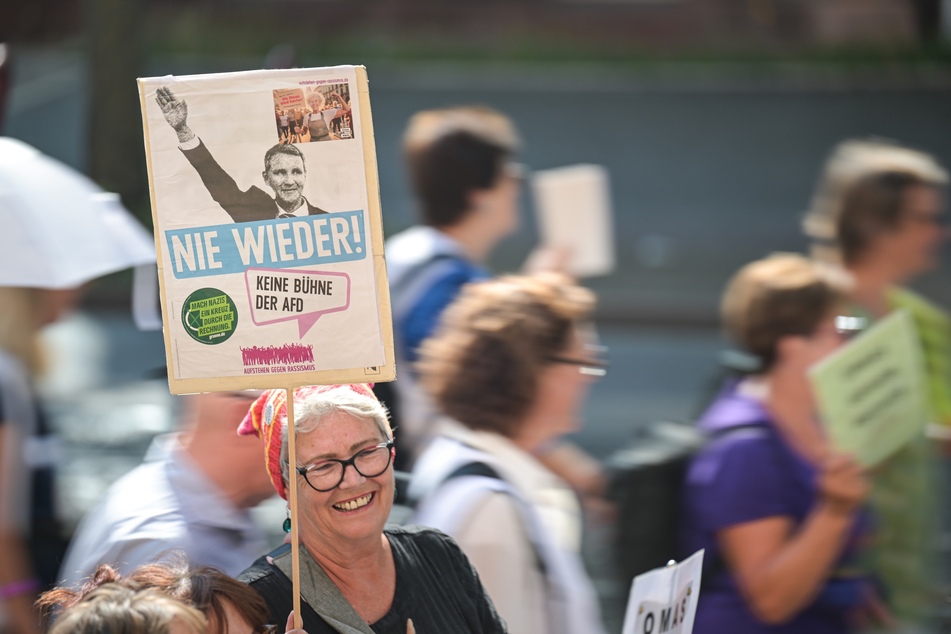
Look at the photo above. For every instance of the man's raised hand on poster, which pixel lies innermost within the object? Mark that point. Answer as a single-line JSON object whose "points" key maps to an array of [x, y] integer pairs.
{"points": [[175, 112], [284, 172], [277, 295]]}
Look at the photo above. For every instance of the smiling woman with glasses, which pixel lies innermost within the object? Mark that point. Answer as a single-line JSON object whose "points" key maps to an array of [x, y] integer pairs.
{"points": [[392, 580]]}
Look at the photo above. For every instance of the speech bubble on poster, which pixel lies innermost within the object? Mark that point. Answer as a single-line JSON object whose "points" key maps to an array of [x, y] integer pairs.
{"points": [[277, 295]]}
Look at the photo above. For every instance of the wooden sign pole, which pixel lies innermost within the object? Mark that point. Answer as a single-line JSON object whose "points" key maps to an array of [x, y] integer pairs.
{"points": [[292, 499]]}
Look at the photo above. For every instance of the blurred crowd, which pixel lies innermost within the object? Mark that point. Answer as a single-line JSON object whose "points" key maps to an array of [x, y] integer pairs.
{"points": [[798, 536]]}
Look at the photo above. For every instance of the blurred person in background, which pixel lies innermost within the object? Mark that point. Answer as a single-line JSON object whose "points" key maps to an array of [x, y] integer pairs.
{"points": [[32, 541], [116, 609], [509, 367], [467, 188], [230, 606], [879, 213], [193, 493], [31, 538], [778, 512], [394, 579], [460, 163]]}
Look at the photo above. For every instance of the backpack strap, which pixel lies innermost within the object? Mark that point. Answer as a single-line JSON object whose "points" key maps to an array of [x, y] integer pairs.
{"points": [[486, 479], [473, 479], [323, 595], [483, 470], [473, 469]]}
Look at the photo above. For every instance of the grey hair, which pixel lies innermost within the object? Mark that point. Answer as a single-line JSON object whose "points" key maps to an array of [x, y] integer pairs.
{"points": [[315, 407]]}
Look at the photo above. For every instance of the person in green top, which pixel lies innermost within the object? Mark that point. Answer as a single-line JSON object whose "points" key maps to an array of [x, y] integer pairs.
{"points": [[879, 212]]}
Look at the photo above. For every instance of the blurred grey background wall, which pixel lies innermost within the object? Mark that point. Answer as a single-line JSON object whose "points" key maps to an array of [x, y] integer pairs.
{"points": [[713, 116]]}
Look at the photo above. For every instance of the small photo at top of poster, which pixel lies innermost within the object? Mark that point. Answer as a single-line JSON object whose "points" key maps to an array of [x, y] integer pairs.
{"points": [[270, 244], [316, 112]]}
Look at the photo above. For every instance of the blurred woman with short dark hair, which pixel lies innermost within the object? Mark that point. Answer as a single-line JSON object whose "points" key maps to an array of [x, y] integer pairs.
{"points": [[459, 162]]}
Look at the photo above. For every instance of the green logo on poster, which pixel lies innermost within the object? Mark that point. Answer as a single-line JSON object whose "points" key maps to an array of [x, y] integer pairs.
{"points": [[209, 316]]}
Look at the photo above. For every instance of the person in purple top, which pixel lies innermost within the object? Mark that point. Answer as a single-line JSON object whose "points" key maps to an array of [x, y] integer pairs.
{"points": [[779, 513]]}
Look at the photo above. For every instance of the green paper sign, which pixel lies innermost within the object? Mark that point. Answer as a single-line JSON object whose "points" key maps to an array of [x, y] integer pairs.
{"points": [[871, 393]]}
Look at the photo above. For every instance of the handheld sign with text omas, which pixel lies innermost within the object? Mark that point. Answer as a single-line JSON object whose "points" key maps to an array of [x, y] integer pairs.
{"points": [[269, 236], [664, 601], [871, 392]]}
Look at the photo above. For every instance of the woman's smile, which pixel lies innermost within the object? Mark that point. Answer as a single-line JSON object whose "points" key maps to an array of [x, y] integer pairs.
{"points": [[354, 504]]}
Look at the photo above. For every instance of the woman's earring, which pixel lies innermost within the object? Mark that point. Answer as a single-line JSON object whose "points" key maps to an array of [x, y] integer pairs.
{"points": [[287, 522]]}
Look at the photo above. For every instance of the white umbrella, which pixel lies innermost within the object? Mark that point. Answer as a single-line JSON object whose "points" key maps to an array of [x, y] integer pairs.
{"points": [[58, 229]]}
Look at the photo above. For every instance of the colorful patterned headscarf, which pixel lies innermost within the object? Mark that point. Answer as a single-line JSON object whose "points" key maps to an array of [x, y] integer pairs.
{"points": [[268, 415]]}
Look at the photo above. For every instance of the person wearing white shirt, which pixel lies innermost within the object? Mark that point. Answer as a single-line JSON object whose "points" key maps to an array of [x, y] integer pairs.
{"points": [[509, 367]]}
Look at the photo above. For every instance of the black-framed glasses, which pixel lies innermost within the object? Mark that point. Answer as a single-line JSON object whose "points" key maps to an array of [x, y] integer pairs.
{"points": [[596, 365], [327, 475]]}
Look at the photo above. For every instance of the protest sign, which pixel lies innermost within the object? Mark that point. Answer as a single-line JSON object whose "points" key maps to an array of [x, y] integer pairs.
{"points": [[269, 236], [871, 392], [664, 601], [574, 215]]}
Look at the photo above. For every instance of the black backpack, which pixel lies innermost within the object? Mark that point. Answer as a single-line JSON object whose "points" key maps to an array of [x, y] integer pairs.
{"points": [[646, 484], [647, 479]]}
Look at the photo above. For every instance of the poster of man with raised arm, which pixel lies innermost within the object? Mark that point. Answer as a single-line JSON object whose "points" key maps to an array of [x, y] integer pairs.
{"points": [[270, 246]]}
